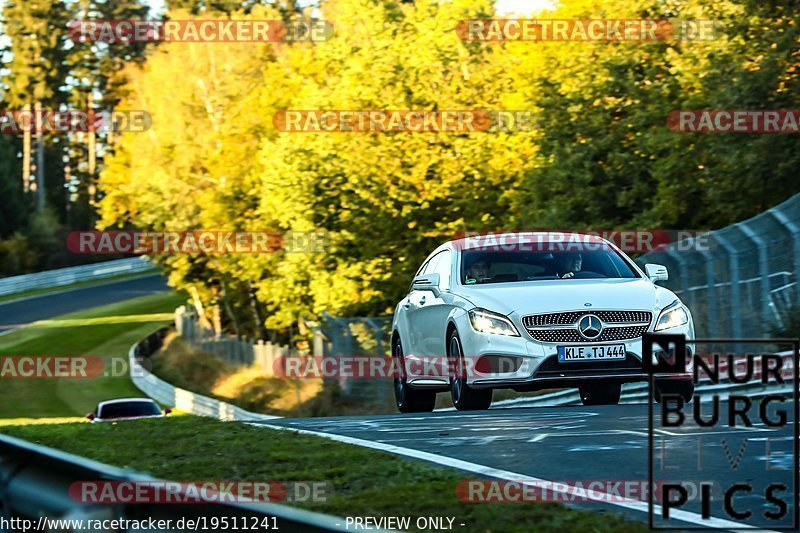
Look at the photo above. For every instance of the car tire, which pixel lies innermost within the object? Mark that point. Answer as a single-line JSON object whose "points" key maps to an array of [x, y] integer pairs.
{"points": [[603, 394], [682, 388], [464, 397], [409, 400]]}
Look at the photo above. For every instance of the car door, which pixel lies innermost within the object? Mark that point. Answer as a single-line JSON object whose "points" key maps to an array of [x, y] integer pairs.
{"points": [[410, 335], [433, 310]]}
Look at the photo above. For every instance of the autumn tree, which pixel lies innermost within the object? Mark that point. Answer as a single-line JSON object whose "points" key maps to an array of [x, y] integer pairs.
{"points": [[599, 153]]}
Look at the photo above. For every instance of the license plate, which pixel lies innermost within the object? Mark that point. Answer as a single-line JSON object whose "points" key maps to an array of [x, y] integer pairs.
{"points": [[577, 354]]}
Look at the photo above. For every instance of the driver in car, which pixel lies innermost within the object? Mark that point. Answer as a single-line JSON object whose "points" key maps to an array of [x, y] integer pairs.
{"points": [[569, 264], [477, 271]]}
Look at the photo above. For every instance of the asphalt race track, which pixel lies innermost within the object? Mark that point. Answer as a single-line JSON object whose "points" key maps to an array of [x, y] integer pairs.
{"points": [[565, 444], [20, 312], [609, 443]]}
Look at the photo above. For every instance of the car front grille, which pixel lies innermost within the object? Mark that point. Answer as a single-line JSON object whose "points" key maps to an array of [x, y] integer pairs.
{"points": [[563, 327], [570, 318], [572, 335]]}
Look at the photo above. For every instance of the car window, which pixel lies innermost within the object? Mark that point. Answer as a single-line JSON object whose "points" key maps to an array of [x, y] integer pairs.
{"points": [[443, 268], [438, 264], [421, 269], [478, 266], [432, 264], [129, 409]]}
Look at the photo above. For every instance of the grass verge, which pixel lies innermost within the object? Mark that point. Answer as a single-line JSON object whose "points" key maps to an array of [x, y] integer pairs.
{"points": [[107, 332], [364, 482]]}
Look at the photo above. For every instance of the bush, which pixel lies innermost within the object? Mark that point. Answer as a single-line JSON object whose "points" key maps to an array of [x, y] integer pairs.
{"points": [[16, 256], [46, 238]]}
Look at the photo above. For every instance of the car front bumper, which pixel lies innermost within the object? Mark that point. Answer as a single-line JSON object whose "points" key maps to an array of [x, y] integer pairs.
{"points": [[524, 364]]}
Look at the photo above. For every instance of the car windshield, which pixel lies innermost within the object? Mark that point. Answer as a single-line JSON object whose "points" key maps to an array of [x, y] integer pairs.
{"points": [[481, 267], [129, 410]]}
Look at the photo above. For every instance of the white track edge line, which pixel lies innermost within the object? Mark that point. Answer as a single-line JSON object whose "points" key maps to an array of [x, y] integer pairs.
{"points": [[685, 516]]}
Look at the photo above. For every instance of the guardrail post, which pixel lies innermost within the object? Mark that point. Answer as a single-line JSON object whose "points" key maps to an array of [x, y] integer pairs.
{"points": [[179, 322], [227, 350], [763, 269], [261, 359], [684, 273], [711, 324], [736, 315]]}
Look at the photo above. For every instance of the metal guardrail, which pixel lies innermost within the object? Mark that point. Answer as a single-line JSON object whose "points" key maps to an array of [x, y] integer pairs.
{"points": [[740, 281], [68, 276], [167, 394], [35, 485]]}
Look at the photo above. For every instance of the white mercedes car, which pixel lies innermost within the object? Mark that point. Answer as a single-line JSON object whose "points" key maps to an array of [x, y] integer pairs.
{"points": [[530, 311]]}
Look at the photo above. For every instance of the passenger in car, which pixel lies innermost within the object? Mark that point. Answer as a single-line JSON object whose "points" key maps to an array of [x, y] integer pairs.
{"points": [[477, 272], [569, 263]]}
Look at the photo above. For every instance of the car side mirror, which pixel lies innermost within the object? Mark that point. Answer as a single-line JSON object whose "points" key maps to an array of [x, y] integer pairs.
{"points": [[427, 282], [656, 272], [167, 411], [91, 416]]}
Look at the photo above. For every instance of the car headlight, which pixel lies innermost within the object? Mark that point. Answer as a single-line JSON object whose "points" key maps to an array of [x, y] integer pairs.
{"points": [[488, 322], [672, 316]]}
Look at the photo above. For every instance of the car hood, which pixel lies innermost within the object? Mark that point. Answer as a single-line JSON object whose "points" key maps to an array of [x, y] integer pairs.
{"points": [[549, 296]]}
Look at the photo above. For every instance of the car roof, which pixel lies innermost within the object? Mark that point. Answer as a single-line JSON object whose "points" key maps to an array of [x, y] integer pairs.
{"points": [[125, 400], [472, 240], [477, 239]]}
